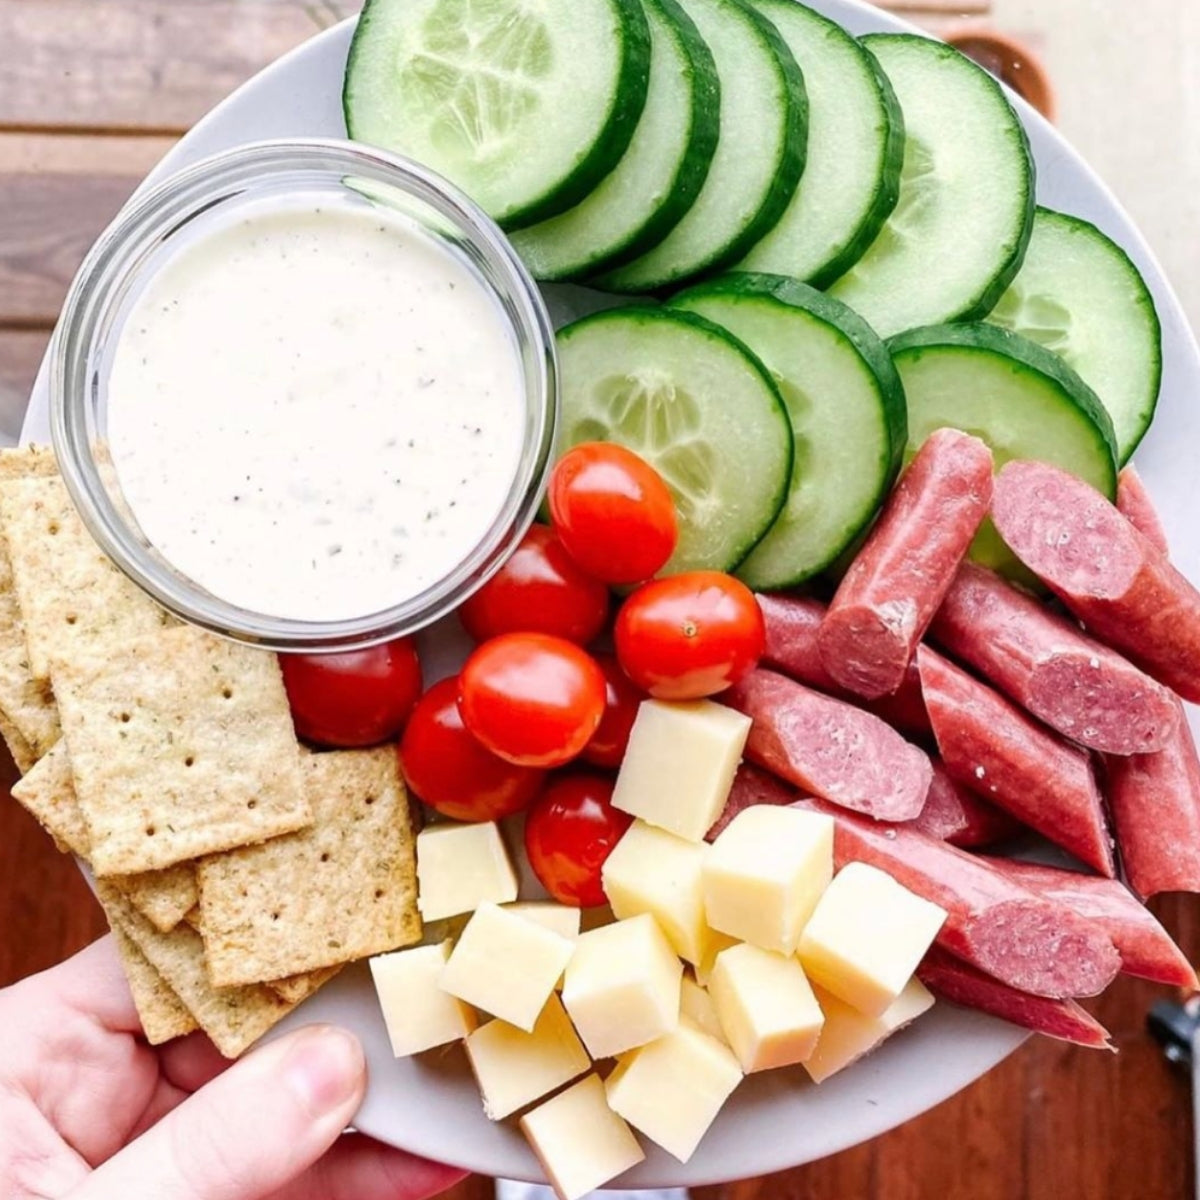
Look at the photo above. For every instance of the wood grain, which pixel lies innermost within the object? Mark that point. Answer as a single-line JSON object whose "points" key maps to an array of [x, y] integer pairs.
{"points": [[20, 353]]}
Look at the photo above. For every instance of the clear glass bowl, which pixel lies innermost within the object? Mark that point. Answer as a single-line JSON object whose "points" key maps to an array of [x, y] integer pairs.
{"points": [[146, 234]]}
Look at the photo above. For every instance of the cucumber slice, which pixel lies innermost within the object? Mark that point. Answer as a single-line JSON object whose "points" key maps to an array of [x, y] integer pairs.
{"points": [[1018, 397], [697, 405], [525, 107], [661, 174], [846, 405], [855, 151], [959, 232], [759, 157], [1079, 295]]}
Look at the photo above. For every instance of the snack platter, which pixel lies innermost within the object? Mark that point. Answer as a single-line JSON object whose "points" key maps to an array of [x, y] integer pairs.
{"points": [[430, 1104]]}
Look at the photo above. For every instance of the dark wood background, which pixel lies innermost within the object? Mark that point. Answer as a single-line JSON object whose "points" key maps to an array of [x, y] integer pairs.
{"points": [[92, 93]]}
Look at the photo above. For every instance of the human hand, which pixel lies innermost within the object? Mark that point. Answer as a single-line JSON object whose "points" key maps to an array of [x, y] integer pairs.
{"points": [[88, 1111]]}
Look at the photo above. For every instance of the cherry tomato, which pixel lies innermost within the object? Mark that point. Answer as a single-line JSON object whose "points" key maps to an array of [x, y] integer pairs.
{"points": [[358, 698], [539, 590], [690, 636], [570, 830], [534, 700], [451, 771], [621, 700], [613, 512]]}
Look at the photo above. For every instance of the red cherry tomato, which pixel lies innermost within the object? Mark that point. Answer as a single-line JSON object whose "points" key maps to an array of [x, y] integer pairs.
{"points": [[690, 636], [534, 700], [539, 590], [613, 512], [358, 698], [621, 700], [570, 830], [451, 771]]}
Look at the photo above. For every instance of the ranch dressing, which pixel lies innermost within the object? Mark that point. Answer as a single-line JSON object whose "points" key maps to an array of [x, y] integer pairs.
{"points": [[316, 412]]}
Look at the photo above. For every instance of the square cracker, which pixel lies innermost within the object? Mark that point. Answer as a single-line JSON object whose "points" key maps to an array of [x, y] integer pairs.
{"points": [[296, 988], [181, 745], [339, 891], [48, 793], [73, 600], [162, 1013], [234, 1018]]}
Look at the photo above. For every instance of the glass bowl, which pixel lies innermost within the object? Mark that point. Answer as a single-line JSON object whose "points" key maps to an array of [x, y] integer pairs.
{"points": [[152, 227]]}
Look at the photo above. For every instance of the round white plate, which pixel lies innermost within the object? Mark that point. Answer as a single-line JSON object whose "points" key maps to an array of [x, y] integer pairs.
{"points": [[430, 1105]]}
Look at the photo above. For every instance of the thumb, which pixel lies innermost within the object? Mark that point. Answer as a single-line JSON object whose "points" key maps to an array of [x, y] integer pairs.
{"points": [[250, 1131]]}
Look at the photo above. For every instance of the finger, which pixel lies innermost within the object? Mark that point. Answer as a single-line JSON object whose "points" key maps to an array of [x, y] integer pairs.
{"points": [[92, 983], [191, 1062], [166, 1099], [359, 1168], [256, 1127]]}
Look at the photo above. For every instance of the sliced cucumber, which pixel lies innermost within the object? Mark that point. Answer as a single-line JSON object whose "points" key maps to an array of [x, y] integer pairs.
{"points": [[959, 231], [1018, 397], [661, 173], [759, 157], [846, 405], [525, 106], [1079, 295], [695, 403], [855, 151]]}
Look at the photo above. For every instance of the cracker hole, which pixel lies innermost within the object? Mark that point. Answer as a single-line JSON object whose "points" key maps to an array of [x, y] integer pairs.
{"points": [[379, 893], [53, 528], [227, 692], [274, 916], [125, 718], [251, 804], [71, 618], [325, 856], [150, 831], [190, 761], [369, 800]]}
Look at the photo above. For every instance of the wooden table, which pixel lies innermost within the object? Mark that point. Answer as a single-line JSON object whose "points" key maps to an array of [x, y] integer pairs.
{"points": [[93, 92]]}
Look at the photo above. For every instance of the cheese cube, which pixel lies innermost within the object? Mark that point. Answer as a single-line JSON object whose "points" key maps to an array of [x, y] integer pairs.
{"points": [[696, 1006], [765, 874], [460, 867], [561, 918], [506, 965], [766, 1007], [672, 1089], [581, 1143], [848, 1034], [514, 1068], [652, 871], [418, 1014], [679, 765], [716, 943], [622, 986], [866, 937]]}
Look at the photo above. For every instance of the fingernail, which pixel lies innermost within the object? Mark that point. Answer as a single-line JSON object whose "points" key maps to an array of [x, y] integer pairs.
{"points": [[324, 1067]]}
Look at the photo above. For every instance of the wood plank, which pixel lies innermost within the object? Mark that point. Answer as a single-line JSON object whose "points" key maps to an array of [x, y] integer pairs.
{"points": [[20, 353], [141, 64]]}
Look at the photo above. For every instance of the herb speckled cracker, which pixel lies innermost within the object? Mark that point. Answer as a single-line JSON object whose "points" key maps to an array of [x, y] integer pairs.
{"points": [[340, 891], [181, 745], [162, 1013]]}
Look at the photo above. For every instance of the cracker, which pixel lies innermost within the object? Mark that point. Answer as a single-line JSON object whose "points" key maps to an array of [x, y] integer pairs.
{"points": [[297, 988], [341, 890], [19, 750], [47, 792], [161, 1012], [234, 1018], [73, 600], [182, 745], [21, 462]]}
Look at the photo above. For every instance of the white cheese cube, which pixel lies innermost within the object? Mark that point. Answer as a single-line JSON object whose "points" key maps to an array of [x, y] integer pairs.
{"points": [[717, 942], [581, 1143], [767, 1008], [765, 874], [622, 986], [679, 765], [418, 1014], [866, 937], [652, 871], [514, 1068], [696, 1006], [672, 1089], [561, 918], [506, 965], [460, 867], [848, 1034]]}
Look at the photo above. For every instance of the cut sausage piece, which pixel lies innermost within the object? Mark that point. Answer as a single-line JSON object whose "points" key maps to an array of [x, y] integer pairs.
{"points": [[1155, 802], [1135, 505], [1145, 947], [956, 815], [831, 748], [898, 579], [1084, 690], [1028, 941], [1115, 580], [960, 983], [990, 746]]}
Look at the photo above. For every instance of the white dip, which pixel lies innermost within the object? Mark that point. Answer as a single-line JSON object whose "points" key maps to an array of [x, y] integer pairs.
{"points": [[316, 413]]}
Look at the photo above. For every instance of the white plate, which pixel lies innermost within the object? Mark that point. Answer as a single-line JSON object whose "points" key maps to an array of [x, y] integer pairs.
{"points": [[430, 1106]]}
